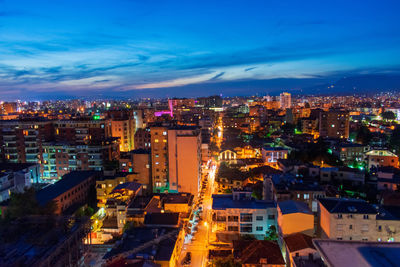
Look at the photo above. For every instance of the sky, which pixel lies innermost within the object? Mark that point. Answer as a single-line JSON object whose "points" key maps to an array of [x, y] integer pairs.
{"points": [[128, 48]]}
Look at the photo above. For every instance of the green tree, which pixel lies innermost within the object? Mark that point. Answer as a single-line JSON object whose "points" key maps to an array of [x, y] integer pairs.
{"points": [[364, 135], [226, 262], [388, 116], [271, 234], [395, 139], [22, 204]]}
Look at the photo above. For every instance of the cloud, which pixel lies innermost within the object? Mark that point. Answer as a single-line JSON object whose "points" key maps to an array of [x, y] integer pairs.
{"points": [[249, 69], [216, 77]]}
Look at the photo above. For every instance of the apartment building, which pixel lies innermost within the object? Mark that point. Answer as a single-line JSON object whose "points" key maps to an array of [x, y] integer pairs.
{"points": [[176, 159], [381, 158], [21, 140], [123, 127], [61, 158], [82, 131], [270, 155], [354, 219], [334, 124], [238, 214], [15, 177], [69, 192]]}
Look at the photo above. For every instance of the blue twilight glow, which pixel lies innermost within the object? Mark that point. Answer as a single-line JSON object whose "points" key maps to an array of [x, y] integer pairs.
{"points": [[123, 47]]}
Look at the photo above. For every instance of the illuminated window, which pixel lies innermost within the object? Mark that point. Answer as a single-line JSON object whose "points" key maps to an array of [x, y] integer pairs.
{"points": [[156, 140]]}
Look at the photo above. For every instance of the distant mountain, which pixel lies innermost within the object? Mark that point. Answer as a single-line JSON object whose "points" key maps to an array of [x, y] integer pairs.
{"points": [[370, 83]]}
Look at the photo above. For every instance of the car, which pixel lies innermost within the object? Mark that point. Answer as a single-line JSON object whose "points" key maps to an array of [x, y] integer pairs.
{"points": [[188, 259]]}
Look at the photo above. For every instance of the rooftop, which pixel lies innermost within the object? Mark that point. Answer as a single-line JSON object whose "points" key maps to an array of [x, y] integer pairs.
{"points": [[298, 241], [67, 182], [133, 186], [170, 219], [291, 206], [225, 201], [346, 205], [4, 167], [139, 236], [251, 252], [357, 253]]}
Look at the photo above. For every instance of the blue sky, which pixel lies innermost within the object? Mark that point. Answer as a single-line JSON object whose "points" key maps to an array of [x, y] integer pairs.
{"points": [[127, 48]]}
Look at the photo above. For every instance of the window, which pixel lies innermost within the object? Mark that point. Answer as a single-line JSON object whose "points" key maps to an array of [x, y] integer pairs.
{"points": [[259, 228], [259, 218], [233, 218], [365, 217], [364, 228], [350, 226], [271, 217], [306, 196], [339, 216], [233, 228]]}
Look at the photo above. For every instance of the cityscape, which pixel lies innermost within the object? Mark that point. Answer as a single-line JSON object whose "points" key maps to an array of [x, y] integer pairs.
{"points": [[215, 134]]}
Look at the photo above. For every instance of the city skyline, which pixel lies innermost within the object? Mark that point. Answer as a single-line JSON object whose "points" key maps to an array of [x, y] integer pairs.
{"points": [[133, 49]]}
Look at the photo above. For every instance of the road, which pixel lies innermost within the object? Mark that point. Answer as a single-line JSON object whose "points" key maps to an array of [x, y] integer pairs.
{"points": [[198, 245]]}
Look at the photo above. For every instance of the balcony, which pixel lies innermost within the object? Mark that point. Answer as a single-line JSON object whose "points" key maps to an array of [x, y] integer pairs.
{"points": [[246, 217]]}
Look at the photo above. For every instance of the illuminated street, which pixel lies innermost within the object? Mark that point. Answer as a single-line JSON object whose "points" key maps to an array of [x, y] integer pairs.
{"points": [[199, 243]]}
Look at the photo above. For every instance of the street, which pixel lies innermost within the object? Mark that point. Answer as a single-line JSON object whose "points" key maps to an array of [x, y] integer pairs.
{"points": [[197, 243]]}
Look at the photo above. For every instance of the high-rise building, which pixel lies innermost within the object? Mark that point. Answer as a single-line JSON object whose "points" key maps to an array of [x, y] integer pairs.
{"points": [[176, 159], [334, 124], [82, 131], [123, 127], [9, 107], [285, 100], [21, 140], [58, 159]]}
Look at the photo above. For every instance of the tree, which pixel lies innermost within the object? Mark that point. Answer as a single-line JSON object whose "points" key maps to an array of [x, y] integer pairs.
{"points": [[395, 139], [22, 204], [388, 116], [271, 234], [364, 135], [226, 262]]}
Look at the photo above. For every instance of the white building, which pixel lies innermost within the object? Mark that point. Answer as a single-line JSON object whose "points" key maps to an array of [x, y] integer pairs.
{"points": [[238, 214]]}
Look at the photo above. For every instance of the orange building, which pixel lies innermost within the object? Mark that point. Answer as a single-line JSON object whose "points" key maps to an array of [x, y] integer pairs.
{"points": [[295, 217], [382, 158]]}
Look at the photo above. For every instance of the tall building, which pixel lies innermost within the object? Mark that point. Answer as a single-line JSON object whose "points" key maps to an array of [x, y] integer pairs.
{"points": [[142, 138], [123, 127], [58, 159], [21, 140], [334, 124], [9, 107], [176, 159], [285, 100], [82, 131]]}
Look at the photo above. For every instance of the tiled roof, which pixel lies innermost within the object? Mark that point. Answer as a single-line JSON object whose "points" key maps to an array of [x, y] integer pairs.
{"points": [[251, 252], [298, 241]]}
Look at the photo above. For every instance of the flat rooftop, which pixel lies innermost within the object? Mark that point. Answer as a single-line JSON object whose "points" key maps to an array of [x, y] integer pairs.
{"points": [[67, 182], [225, 201], [337, 253]]}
